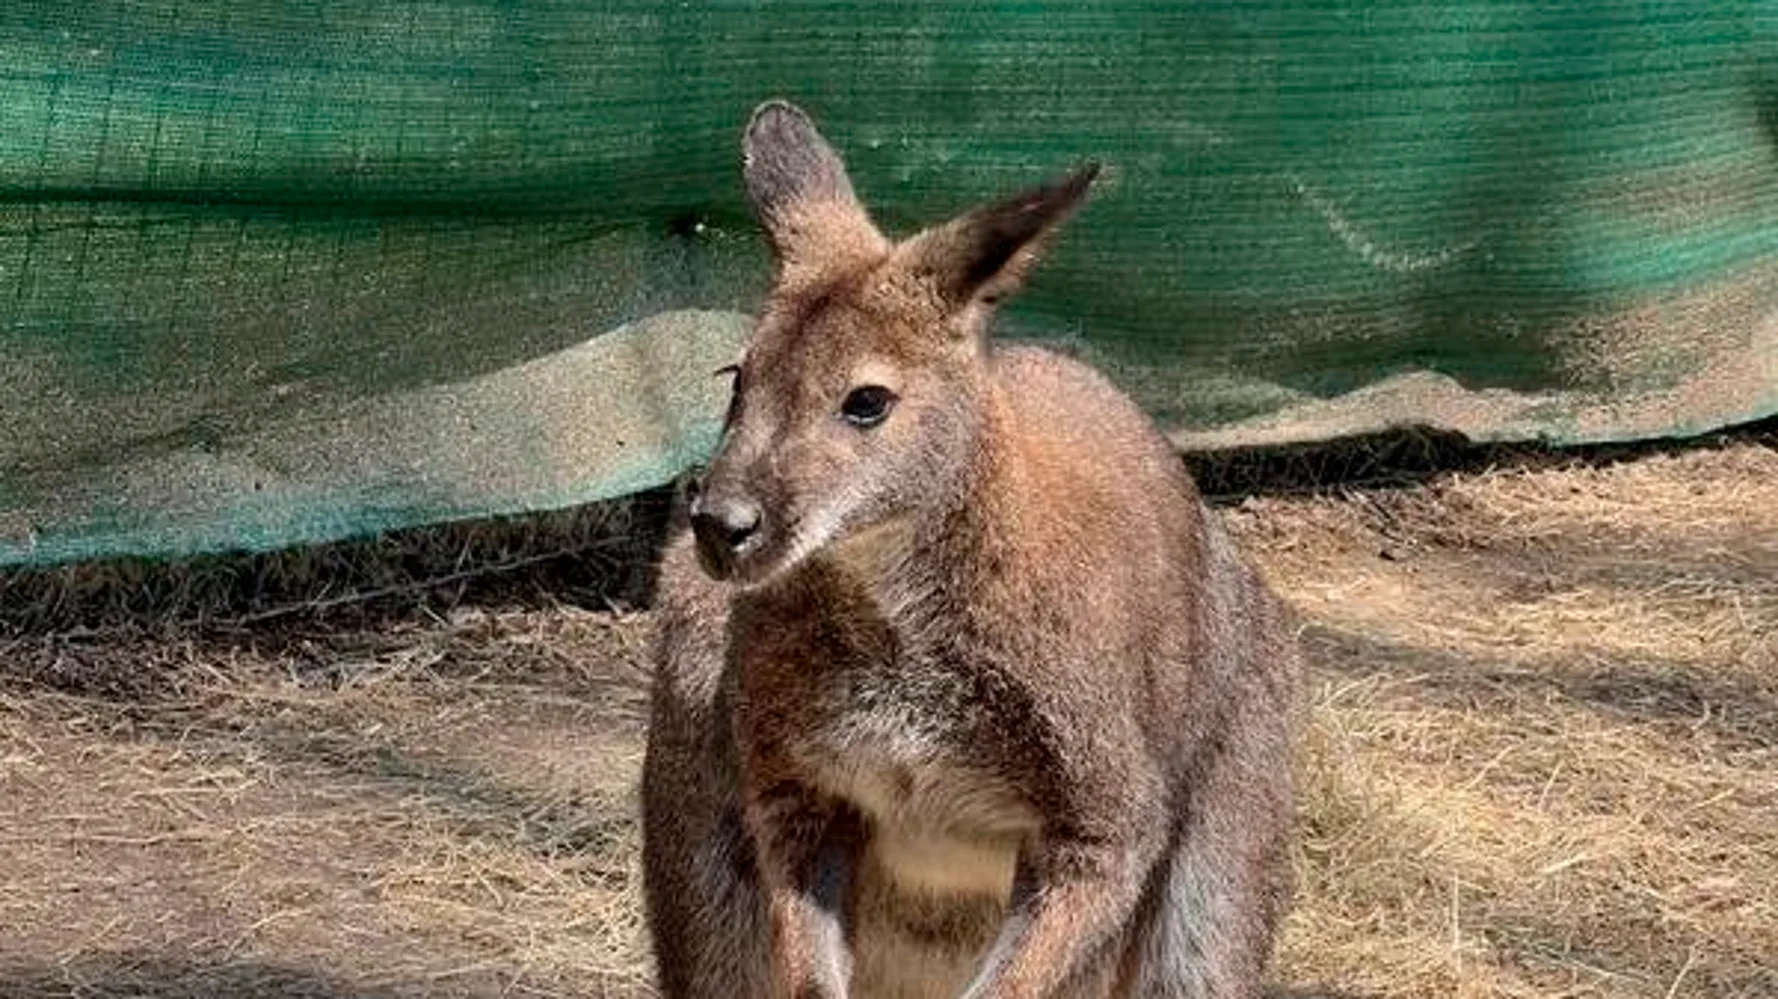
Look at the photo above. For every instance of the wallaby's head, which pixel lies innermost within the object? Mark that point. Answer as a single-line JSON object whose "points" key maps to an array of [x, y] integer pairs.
{"points": [[859, 400]]}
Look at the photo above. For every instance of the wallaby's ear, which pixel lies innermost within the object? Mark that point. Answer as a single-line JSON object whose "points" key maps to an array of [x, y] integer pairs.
{"points": [[786, 161], [799, 189], [984, 255]]}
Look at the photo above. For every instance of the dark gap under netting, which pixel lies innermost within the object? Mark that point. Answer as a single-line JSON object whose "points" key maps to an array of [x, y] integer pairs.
{"points": [[603, 555]]}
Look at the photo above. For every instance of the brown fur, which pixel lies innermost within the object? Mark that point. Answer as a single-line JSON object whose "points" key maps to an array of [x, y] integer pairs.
{"points": [[984, 704]]}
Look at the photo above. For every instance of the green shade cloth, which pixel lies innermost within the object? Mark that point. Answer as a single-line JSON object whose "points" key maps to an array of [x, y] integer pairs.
{"points": [[277, 272]]}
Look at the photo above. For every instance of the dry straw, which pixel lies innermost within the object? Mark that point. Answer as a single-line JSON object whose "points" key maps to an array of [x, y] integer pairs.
{"points": [[1540, 757]]}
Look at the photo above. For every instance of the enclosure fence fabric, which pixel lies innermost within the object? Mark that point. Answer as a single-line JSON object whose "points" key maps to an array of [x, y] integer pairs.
{"points": [[278, 272]]}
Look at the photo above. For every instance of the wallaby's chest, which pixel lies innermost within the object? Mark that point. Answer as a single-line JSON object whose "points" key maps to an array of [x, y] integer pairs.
{"points": [[910, 765], [910, 739], [889, 736]]}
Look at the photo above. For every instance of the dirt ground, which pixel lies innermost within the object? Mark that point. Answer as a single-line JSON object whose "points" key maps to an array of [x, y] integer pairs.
{"points": [[1541, 760]]}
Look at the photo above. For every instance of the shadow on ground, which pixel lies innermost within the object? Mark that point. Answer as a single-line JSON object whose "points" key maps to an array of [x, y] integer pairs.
{"points": [[124, 976], [1738, 711], [132, 976], [162, 979]]}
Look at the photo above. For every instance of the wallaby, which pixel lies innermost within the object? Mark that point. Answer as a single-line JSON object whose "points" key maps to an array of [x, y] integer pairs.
{"points": [[959, 690]]}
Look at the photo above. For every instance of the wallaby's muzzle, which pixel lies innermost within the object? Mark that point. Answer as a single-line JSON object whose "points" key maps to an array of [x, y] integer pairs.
{"points": [[726, 527]]}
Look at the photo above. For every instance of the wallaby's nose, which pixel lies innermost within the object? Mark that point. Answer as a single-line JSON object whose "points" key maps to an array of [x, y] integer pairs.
{"points": [[724, 525]]}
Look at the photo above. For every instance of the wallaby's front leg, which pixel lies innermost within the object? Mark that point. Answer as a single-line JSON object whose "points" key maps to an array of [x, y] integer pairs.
{"points": [[1070, 901], [808, 852]]}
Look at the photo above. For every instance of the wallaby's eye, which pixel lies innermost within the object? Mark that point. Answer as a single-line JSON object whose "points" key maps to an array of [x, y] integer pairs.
{"points": [[867, 405]]}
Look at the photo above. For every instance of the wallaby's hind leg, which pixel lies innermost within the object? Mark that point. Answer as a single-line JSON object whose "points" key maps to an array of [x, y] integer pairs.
{"points": [[1207, 938], [1218, 898], [705, 911]]}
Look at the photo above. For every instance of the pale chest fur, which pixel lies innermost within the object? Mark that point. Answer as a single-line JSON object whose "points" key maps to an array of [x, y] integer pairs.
{"points": [[940, 822], [937, 874], [903, 732], [904, 744]]}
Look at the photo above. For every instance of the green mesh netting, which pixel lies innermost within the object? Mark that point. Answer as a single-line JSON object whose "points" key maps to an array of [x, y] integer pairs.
{"points": [[275, 272]]}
